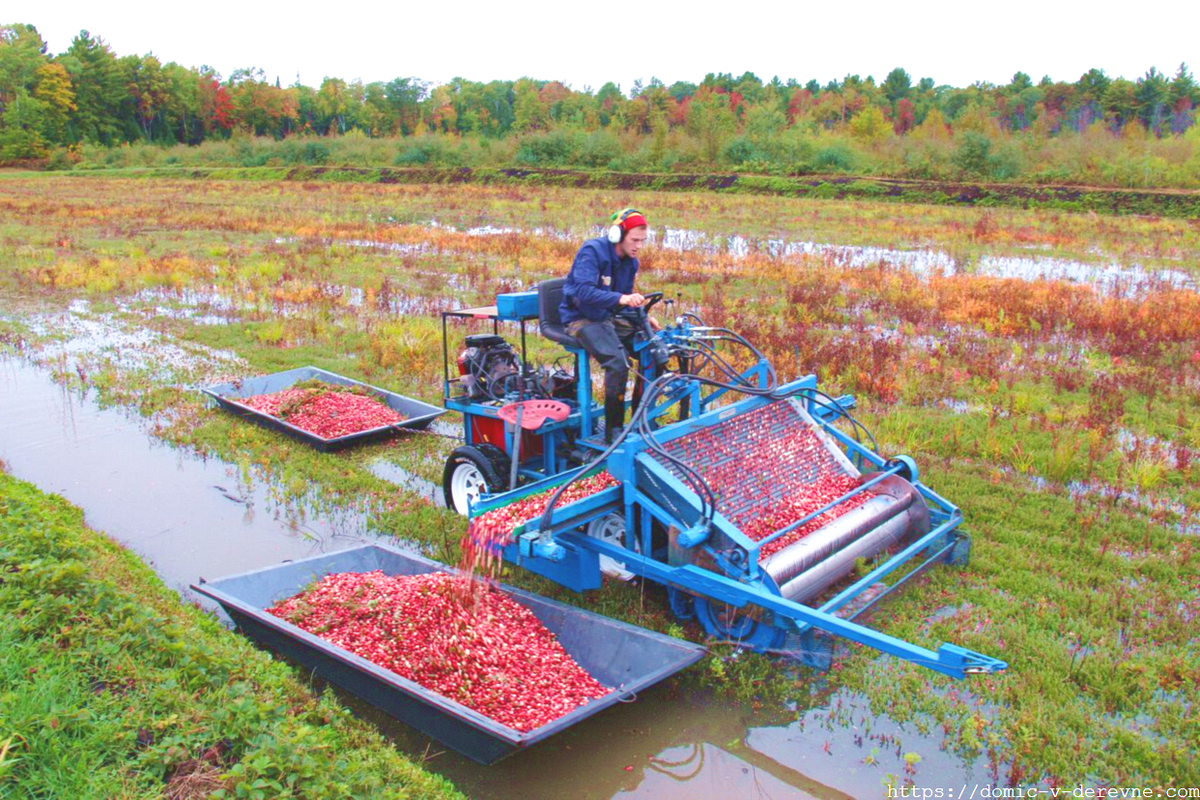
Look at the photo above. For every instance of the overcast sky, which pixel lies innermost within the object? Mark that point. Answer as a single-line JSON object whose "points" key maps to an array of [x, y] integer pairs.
{"points": [[585, 45]]}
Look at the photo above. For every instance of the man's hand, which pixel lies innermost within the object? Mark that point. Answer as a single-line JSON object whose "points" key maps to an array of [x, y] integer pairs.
{"points": [[634, 300], [654, 324]]}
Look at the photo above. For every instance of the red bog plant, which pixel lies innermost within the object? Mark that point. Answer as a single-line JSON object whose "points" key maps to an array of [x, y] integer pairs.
{"points": [[465, 641]]}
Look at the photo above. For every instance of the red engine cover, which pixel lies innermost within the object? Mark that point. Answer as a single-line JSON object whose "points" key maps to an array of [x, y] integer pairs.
{"points": [[491, 430]]}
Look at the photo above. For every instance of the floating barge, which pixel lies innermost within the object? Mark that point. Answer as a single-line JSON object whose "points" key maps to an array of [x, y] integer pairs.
{"points": [[417, 414], [617, 654]]}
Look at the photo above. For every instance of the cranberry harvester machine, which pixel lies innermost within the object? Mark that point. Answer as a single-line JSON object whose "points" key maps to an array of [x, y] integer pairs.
{"points": [[756, 503]]}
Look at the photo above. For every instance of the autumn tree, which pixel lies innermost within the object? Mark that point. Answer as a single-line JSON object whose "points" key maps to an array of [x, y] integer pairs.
{"points": [[21, 127], [149, 91], [1120, 102], [442, 113], [800, 104], [22, 54], [528, 112], [933, 128], [652, 108], [53, 90], [261, 108], [711, 120], [373, 116], [610, 103], [904, 117], [870, 125], [404, 96], [555, 99], [214, 104], [333, 106]]}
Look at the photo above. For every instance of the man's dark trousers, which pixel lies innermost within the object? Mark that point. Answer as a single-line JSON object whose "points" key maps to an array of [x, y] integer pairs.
{"points": [[610, 342]]}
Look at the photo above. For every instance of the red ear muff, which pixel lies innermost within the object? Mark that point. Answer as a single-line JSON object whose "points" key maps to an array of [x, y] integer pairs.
{"points": [[616, 233]]}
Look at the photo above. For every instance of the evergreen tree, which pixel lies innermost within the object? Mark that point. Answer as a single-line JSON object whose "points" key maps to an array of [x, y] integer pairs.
{"points": [[99, 92]]}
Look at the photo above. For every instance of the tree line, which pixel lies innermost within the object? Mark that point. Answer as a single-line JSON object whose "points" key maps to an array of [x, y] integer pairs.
{"points": [[88, 95]]}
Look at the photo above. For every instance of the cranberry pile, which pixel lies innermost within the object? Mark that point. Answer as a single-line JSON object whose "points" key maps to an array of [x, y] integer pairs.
{"points": [[768, 468], [467, 642], [327, 413], [490, 531]]}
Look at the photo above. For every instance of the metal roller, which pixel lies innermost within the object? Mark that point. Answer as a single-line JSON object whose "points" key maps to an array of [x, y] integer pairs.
{"points": [[807, 567]]}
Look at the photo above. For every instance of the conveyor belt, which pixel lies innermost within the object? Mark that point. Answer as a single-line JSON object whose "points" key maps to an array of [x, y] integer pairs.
{"points": [[758, 463], [754, 460]]}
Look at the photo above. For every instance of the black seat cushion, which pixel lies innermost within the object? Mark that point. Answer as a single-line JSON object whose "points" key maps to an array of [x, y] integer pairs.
{"points": [[550, 325]]}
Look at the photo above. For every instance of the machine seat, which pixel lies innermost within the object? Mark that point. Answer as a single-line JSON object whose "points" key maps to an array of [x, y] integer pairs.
{"points": [[550, 293]]}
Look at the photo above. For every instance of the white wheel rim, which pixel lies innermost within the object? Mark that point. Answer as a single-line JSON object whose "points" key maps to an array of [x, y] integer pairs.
{"points": [[466, 484], [610, 528]]}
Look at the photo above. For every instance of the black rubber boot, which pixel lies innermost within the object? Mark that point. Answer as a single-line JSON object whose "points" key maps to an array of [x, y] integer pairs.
{"points": [[614, 416]]}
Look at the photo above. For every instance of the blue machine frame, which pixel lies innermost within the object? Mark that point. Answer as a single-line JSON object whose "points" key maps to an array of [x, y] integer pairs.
{"points": [[556, 437], [563, 553]]}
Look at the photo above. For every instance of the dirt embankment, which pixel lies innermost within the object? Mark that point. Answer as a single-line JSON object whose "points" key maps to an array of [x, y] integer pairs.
{"points": [[1166, 203], [1182, 203]]}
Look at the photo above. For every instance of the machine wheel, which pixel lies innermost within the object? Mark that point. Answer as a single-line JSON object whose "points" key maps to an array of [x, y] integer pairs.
{"points": [[471, 471], [682, 604], [610, 528], [722, 621]]}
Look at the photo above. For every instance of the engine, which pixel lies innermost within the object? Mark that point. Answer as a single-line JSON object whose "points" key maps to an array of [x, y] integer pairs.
{"points": [[487, 367], [490, 369]]}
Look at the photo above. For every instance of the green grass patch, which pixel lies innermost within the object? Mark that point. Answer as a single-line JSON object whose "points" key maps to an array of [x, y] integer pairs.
{"points": [[110, 687]]}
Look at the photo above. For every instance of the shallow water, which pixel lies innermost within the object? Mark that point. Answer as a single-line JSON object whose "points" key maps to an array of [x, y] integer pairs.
{"points": [[186, 516], [1106, 275]]}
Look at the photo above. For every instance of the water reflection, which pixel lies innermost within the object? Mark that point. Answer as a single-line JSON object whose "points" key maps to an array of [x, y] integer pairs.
{"points": [[426, 489], [686, 745], [1114, 278], [1110, 278], [187, 516]]}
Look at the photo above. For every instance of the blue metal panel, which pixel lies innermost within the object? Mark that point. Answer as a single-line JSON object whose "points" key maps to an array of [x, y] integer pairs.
{"points": [[948, 659], [517, 306]]}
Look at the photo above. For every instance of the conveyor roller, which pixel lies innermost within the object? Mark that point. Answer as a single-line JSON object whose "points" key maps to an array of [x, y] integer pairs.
{"points": [[897, 514]]}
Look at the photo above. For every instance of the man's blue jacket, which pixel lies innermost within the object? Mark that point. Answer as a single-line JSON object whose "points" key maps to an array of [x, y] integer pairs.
{"points": [[596, 282]]}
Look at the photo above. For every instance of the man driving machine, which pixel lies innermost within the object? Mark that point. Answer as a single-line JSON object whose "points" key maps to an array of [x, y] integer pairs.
{"points": [[599, 286]]}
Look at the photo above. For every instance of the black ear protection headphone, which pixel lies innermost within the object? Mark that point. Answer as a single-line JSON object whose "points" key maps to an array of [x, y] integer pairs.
{"points": [[616, 234]]}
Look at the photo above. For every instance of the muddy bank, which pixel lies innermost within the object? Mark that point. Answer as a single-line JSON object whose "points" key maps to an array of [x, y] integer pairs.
{"points": [[1177, 203]]}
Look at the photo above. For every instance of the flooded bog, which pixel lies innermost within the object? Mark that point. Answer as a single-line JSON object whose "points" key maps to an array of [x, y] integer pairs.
{"points": [[191, 518], [186, 516], [689, 745]]}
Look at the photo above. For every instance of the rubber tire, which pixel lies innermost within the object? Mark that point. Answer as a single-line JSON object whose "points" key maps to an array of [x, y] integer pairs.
{"points": [[490, 468], [718, 623]]}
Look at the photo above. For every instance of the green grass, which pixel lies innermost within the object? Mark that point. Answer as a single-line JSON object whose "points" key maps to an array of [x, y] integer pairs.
{"points": [[110, 687]]}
